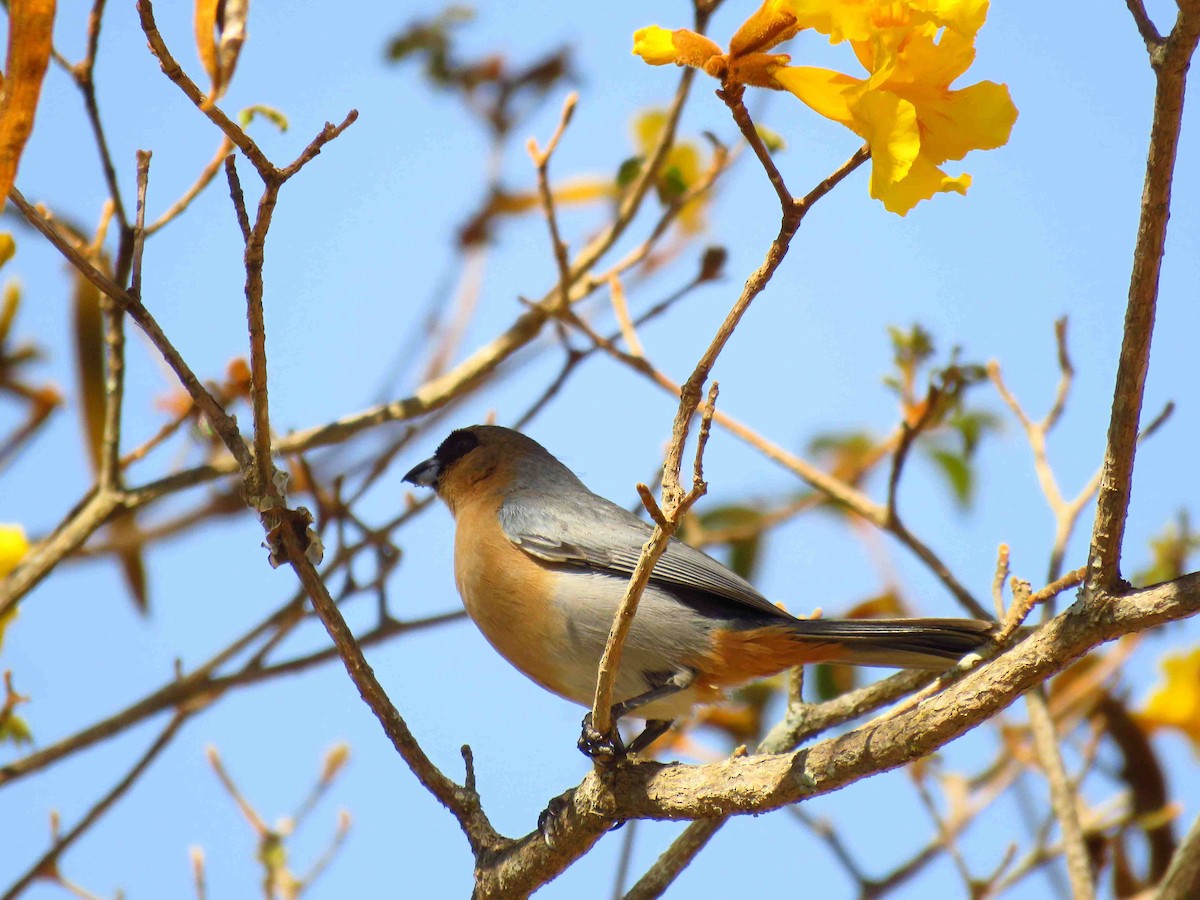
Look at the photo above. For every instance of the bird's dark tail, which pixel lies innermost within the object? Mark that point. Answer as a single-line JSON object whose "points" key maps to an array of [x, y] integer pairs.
{"points": [[898, 643]]}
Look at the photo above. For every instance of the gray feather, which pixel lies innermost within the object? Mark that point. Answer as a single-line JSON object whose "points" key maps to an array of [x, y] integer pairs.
{"points": [[570, 525]]}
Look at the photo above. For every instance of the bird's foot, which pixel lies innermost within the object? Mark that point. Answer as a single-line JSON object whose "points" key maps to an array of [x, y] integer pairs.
{"points": [[602, 749], [550, 819]]}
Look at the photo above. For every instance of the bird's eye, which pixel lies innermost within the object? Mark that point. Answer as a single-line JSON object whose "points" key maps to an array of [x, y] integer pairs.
{"points": [[456, 446]]}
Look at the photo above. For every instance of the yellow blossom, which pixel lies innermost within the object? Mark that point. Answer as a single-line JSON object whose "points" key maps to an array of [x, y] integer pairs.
{"points": [[745, 63], [13, 546], [659, 47], [1176, 702], [907, 113], [683, 167], [861, 20], [912, 50]]}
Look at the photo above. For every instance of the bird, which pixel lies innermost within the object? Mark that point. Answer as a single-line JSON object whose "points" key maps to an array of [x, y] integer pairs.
{"points": [[541, 563]]}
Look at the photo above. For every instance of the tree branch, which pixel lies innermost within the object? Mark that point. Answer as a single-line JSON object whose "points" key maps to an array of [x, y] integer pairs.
{"points": [[1170, 62]]}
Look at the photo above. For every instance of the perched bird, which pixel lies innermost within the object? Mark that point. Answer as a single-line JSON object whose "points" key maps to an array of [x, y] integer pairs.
{"points": [[541, 563]]}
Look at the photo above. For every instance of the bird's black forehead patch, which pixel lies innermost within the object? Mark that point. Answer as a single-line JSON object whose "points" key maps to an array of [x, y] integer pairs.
{"points": [[456, 446]]}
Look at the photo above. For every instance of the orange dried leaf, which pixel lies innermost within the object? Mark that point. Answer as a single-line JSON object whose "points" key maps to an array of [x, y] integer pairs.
{"points": [[176, 404], [204, 21], [220, 27], [30, 26], [237, 378]]}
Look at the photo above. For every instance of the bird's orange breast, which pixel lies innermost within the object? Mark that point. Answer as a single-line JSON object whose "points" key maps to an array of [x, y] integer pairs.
{"points": [[508, 593]]}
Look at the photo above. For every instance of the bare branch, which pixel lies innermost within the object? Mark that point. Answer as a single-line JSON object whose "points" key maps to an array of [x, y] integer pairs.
{"points": [[49, 859], [1170, 70], [1062, 795], [541, 159], [1145, 25]]}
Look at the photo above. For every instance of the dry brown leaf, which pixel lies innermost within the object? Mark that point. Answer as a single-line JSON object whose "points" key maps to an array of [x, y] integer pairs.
{"points": [[220, 27], [30, 26]]}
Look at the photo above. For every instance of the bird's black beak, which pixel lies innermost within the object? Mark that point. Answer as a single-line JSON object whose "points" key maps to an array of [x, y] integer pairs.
{"points": [[424, 474]]}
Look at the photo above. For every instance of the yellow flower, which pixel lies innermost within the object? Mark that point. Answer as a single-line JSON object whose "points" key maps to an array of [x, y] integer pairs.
{"points": [[745, 63], [659, 47], [1176, 702], [681, 170], [913, 50], [13, 546], [906, 111], [861, 20]]}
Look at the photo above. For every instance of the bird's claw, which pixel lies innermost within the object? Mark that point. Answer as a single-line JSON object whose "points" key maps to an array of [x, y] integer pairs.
{"points": [[548, 819], [604, 749]]}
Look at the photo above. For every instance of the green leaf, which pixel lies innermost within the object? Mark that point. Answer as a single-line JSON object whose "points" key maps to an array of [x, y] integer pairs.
{"points": [[270, 113], [14, 730], [972, 425], [910, 347], [671, 184], [1170, 552], [958, 474], [841, 443], [830, 680], [743, 551], [272, 853], [772, 140], [629, 171]]}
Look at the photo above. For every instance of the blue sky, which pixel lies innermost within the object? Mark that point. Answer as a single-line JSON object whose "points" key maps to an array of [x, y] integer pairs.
{"points": [[360, 242]]}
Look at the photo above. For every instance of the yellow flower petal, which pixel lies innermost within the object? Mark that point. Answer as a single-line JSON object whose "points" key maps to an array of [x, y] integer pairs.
{"points": [[685, 158], [889, 125], [859, 20], [658, 47], [923, 180], [927, 59], [647, 128], [1176, 702], [979, 117], [964, 16], [825, 91], [13, 546], [842, 20], [654, 45]]}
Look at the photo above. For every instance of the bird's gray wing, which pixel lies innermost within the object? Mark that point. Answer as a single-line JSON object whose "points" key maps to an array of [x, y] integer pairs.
{"points": [[583, 529]]}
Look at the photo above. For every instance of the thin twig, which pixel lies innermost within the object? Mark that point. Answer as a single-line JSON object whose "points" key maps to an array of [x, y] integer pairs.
{"points": [[202, 685], [462, 803], [1182, 880], [541, 160], [48, 860], [238, 197], [674, 507], [1062, 797], [203, 180], [176, 74], [220, 421], [998, 581], [834, 488], [860, 156], [84, 74]]}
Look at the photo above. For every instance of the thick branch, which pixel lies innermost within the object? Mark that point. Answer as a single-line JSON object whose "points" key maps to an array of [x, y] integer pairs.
{"points": [[1170, 69], [758, 784]]}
